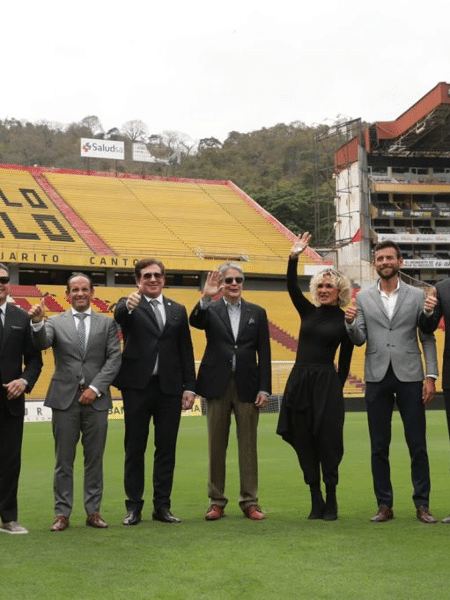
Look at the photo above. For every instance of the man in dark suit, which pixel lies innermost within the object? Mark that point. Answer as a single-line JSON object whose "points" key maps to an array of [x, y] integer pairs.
{"points": [[157, 379], [234, 376], [437, 305], [20, 366], [386, 316], [86, 349]]}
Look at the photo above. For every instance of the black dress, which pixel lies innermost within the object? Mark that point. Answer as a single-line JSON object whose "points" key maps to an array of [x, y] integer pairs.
{"points": [[312, 412]]}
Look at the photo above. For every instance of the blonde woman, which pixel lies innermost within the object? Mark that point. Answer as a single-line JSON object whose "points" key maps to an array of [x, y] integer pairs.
{"points": [[312, 413]]}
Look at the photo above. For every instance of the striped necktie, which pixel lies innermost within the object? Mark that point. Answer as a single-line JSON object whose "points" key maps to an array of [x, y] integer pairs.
{"points": [[81, 330]]}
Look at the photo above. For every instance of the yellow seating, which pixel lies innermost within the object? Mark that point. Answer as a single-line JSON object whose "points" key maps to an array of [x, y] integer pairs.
{"points": [[33, 221], [140, 216]]}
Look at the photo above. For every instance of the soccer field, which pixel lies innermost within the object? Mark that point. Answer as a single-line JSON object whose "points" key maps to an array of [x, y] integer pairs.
{"points": [[285, 556]]}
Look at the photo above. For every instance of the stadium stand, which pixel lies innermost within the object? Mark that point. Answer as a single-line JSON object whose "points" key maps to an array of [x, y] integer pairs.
{"points": [[191, 225], [28, 211]]}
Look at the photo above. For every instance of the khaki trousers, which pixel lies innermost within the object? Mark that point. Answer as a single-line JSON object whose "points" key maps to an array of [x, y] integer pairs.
{"points": [[218, 416]]}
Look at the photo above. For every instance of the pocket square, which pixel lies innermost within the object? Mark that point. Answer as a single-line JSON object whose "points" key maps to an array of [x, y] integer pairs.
{"points": [[251, 321]]}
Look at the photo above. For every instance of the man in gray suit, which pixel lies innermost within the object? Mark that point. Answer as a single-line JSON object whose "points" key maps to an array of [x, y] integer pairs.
{"points": [[386, 316], [87, 357]]}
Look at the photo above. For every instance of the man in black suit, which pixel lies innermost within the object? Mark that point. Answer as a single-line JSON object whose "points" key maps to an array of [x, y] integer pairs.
{"points": [[437, 305], [234, 376], [157, 378], [20, 367]]}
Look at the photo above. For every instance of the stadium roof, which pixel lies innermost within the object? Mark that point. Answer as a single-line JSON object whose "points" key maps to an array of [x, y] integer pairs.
{"points": [[422, 130]]}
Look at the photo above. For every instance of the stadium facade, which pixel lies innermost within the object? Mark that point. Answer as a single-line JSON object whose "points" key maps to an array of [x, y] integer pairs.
{"points": [[393, 182]]}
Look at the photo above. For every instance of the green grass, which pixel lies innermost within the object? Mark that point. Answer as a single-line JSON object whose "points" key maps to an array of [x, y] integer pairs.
{"points": [[285, 556]]}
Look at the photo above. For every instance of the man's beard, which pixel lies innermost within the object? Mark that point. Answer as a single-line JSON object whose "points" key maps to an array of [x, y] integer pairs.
{"points": [[391, 274]]}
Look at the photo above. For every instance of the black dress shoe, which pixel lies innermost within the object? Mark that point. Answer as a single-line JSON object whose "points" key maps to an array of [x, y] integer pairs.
{"points": [[133, 518], [164, 515], [330, 512]]}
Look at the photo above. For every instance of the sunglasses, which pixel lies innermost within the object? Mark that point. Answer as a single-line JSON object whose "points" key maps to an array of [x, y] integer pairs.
{"points": [[157, 276], [4, 280], [229, 280]]}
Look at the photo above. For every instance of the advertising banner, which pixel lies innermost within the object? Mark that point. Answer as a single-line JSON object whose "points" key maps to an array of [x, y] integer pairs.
{"points": [[141, 154], [428, 263], [102, 149], [415, 238]]}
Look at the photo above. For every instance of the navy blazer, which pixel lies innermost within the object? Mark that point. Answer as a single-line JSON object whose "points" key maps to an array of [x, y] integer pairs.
{"points": [[143, 342], [251, 348], [18, 356]]}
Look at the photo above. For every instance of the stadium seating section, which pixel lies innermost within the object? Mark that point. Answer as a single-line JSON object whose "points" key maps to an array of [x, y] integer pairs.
{"points": [[193, 225]]}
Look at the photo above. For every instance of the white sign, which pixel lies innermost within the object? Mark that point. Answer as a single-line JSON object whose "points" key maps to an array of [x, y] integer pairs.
{"points": [[141, 154], [36, 412], [102, 149], [430, 263], [415, 238]]}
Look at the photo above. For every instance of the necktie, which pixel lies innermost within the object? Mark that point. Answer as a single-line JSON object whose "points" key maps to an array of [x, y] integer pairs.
{"points": [[81, 330], [158, 314]]}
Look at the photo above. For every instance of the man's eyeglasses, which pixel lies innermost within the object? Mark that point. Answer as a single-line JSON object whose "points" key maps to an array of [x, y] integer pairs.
{"points": [[157, 276], [4, 280], [229, 280]]}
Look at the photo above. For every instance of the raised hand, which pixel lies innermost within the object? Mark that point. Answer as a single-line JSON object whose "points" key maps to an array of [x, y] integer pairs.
{"points": [[301, 243], [431, 300], [134, 299], [213, 284], [351, 312], [37, 312]]}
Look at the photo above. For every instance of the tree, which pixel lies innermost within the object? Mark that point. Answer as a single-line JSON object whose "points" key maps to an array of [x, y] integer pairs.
{"points": [[135, 131], [178, 142], [93, 124], [210, 143], [292, 206]]}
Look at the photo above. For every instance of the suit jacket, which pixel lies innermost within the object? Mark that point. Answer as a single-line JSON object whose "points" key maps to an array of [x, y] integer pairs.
{"points": [[18, 356], [99, 365], [393, 341], [429, 324], [251, 348], [143, 342]]}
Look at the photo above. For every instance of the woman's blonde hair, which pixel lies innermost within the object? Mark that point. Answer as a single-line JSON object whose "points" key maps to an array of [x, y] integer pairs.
{"points": [[340, 281]]}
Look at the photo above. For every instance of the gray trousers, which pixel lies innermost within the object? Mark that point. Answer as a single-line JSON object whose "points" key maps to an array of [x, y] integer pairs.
{"points": [[218, 416], [68, 424]]}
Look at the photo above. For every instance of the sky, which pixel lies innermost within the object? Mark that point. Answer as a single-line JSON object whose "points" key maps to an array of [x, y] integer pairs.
{"points": [[206, 69]]}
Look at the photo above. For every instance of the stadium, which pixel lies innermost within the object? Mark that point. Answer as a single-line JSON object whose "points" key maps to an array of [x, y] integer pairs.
{"points": [[60, 222], [392, 181], [391, 176]]}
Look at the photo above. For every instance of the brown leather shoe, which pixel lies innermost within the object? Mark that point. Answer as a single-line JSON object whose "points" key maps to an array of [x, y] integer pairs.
{"points": [[384, 513], [215, 512], [61, 522], [254, 513], [96, 521], [424, 515]]}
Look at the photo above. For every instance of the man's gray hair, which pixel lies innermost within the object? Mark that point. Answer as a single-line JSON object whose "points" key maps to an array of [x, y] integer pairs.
{"points": [[229, 265]]}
